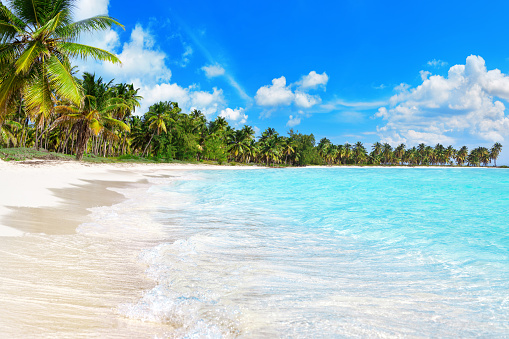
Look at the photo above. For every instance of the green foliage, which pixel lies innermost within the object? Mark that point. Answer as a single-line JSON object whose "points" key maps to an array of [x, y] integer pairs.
{"points": [[305, 151], [37, 42], [23, 153]]}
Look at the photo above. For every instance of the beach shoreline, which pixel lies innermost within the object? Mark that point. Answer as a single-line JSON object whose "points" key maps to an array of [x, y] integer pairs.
{"points": [[34, 186], [65, 246], [47, 263]]}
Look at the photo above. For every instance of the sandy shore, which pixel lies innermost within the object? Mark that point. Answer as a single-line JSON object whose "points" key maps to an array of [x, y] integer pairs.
{"points": [[55, 281], [34, 192]]}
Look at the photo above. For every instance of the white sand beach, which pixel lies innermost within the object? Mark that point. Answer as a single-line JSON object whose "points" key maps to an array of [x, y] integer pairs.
{"points": [[53, 280]]}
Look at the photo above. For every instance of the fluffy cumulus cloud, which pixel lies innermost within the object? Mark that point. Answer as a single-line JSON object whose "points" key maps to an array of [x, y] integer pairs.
{"points": [[281, 94], [277, 94], [212, 71], [314, 80], [236, 115], [467, 100], [140, 59], [306, 100]]}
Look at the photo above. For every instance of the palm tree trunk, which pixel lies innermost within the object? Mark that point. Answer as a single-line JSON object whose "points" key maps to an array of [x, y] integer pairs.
{"points": [[146, 148], [82, 141]]}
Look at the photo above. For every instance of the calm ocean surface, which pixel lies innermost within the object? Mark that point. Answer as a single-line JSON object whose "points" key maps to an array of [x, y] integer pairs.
{"points": [[326, 253]]}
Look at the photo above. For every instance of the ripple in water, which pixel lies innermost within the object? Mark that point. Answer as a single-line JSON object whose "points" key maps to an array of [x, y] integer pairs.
{"points": [[327, 253]]}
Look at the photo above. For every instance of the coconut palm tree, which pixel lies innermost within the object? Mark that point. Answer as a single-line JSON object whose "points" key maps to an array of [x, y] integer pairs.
{"points": [[359, 152], [450, 154], [37, 41], [93, 115], [495, 152], [387, 153], [158, 117], [399, 153], [461, 156]]}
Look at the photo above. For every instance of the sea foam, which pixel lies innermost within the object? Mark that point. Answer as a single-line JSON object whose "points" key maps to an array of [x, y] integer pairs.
{"points": [[321, 252]]}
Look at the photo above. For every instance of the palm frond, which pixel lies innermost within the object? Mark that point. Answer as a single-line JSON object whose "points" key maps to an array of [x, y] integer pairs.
{"points": [[95, 126], [34, 50], [117, 123], [62, 80], [51, 25], [96, 23], [68, 110], [8, 54], [9, 85], [28, 10], [11, 24], [38, 96], [73, 49]]}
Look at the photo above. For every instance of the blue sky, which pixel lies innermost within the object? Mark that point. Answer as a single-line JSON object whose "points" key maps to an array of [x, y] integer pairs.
{"points": [[391, 71]]}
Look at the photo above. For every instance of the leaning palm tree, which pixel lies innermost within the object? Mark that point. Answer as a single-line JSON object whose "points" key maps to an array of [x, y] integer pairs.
{"points": [[38, 39]]}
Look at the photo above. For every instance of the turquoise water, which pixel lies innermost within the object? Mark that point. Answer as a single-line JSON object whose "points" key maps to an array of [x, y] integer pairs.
{"points": [[336, 252]]}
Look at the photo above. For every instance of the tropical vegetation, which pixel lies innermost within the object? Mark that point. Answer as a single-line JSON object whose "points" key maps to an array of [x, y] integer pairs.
{"points": [[45, 104]]}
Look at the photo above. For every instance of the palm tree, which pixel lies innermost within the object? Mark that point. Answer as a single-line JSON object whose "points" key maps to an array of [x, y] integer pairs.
{"points": [[387, 153], [484, 155], [450, 154], [92, 115], [158, 116], [399, 153], [495, 152], [360, 152], [323, 148], [461, 155], [37, 41]]}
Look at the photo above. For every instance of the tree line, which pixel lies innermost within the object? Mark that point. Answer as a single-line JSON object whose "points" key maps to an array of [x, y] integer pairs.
{"points": [[105, 124], [44, 104]]}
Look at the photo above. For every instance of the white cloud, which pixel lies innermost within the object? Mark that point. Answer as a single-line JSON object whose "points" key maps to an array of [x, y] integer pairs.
{"points": [[140, 59], [213, 70], [234, 115], [424, 75], [293, 121], [437, 63], [276, 95], [441, 109], [305, 100], [279, 94], [313, 80], [89, 8]]}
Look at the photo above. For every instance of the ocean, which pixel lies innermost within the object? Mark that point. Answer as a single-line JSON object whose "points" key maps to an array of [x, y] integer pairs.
{"points": [[319, 252]]}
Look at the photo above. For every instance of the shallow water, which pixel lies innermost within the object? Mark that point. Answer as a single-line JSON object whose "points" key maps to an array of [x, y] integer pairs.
{"points": [[328, 253], [337, 252]]}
